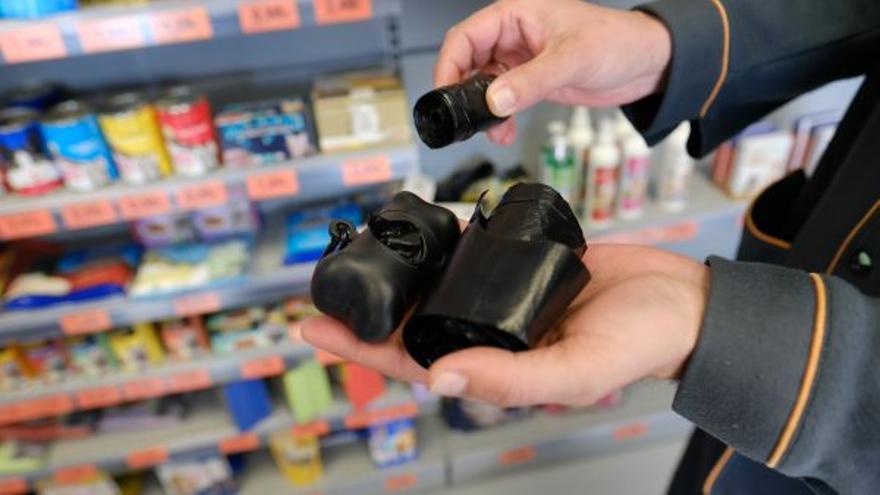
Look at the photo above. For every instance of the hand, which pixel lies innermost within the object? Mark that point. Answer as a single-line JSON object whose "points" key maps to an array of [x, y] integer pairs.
{"points": [[638, 317], [565, 51]]}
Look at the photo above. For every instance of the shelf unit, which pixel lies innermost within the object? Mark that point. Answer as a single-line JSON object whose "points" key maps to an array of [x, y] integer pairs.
{"points": [[115, 28], [208, 428], [296, 181]]}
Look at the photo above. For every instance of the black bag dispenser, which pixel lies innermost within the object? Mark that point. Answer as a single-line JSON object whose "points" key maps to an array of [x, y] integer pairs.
{"points": [[511, 278]]}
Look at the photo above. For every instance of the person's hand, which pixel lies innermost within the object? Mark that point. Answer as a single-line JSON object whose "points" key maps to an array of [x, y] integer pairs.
{"points": [[638, 317], [565, 51]]}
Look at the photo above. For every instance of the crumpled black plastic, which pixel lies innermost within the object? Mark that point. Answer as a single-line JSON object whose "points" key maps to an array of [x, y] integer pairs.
{"points": [[455, 112], [511, 278]]}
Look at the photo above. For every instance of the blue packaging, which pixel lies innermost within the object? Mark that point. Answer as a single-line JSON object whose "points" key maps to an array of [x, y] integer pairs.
{"points": [[27, 171], [393, 443], [257, 133], [34, 8], [248, 402], [307, 234], [75, 141]]}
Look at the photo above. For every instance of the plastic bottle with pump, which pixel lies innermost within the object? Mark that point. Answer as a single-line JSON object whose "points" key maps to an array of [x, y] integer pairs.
{"points": [[634, 172], [557, 162], [674, 169], [602, 178], [580, 136]]}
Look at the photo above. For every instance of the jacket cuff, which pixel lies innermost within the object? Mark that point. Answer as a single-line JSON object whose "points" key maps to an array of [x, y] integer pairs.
{"points": [[745, 376], [699, 43]]}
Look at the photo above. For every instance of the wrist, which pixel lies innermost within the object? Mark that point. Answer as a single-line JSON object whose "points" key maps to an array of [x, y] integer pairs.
{"points": [[694, 299]]}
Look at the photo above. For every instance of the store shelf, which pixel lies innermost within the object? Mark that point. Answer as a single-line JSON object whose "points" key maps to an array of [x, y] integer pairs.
{"points": [[307, 179], [112, 28], [82, 393], [207, 429], [706, 203]]}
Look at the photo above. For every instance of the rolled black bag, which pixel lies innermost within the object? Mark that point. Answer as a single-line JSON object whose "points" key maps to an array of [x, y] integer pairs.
{"points": [[511, 278], [369, 280], [455, 112]]}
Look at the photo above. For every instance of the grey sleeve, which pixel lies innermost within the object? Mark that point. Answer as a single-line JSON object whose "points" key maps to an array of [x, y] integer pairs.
{"points": [[734, 61], [784, 372]]}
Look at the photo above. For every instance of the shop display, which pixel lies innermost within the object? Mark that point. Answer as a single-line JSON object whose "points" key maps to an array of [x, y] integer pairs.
{"points": [[248, 402], [74, 139], [131, 126], [15, 370], [188, 127], [265, 132], [27, 169], [137, 348], [91, 355], [558, 163], [454, 113], [189, 265], [201, 475], [235, 218], [307, 389], [368, 280], [246, 328], [307, 234], [634, 176], [674, 167], [528, 248], [392, 443], [580, 137], [184, 338], [298, 457], [48, 359], [601, 182], [359, 109], [160, 412], [753, 159], [362, 385]]}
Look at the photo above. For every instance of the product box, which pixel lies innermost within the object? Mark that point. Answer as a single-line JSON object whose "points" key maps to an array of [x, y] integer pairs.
{"points": [[360, 109], [802, 148], [392, 443], [298, 457], [48, 359], [307, 234], [90, 355], [15, 370], [760, 160], [248, 402], [307, 388], [184, 338], [136, 349], [204, 475], [257, 133]]}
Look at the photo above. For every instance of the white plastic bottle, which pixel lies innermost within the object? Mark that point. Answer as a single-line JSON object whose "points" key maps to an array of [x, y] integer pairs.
{"points": [[602, 178], [557, 162], [674, 169], [634, 177], [622, 127], [580, 137]]}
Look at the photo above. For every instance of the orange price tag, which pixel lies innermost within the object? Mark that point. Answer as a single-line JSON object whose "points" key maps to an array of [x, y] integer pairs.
{"points": [[88, 214], [517, 455], [38, 41], [13, 486], [182, 25], [111, 33], [317, 427], [76, 474], [262, 367], [27, 224], [268, 15], [362, 419], [186, 381], [275, 184], [401, 482], [329, 11], [144, 204], [10, 413], [196, 304], [631, 430], [85, 321], [211, 193], [145, 458], [50, 405], [96, 397], [245, 442], [146, 388], [369, 170]]}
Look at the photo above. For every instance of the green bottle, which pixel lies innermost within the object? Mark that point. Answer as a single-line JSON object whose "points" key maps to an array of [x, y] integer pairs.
{"points": [[558, 163]]}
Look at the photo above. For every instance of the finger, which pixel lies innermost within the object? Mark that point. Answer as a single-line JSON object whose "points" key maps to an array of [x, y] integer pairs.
{"points": [[537, 376], [389, 357], [498, 133], [468, 46], [527, 84]]}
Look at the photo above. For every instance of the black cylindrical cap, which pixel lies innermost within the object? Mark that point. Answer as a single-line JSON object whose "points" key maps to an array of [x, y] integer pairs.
{"points": [[454, 113]]}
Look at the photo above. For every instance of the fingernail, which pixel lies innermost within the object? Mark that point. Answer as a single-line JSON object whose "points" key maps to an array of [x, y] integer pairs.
{"points": [[501, 101], [448, 383]]}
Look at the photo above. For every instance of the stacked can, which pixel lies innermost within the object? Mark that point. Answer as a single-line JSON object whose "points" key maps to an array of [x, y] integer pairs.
{"points": [[185, 117], [74, 139], [132, 128], [26, 169]]}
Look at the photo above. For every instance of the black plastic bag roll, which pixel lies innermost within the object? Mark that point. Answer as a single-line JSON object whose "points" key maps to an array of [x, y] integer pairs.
{"points": [[369, 280], [509, 281]]}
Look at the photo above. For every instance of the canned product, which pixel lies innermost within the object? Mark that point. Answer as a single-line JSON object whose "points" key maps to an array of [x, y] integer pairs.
{"points": [[37, 95], [28, 170], [132, 129], [74, 140], [185, 117]]}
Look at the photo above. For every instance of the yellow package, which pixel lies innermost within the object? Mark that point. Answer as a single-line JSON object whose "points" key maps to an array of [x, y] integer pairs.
{"points": [[137, 348], [131, 127], [14, 368], [298, 457]]}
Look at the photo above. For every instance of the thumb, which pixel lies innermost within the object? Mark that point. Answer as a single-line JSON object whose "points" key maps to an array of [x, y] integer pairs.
{"points": [[505, 378], [526, 84]]}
